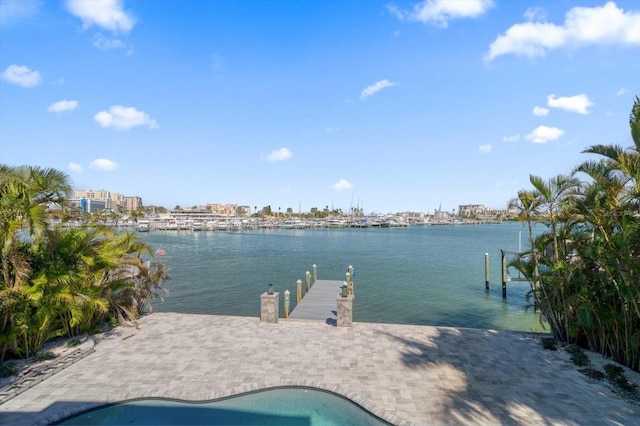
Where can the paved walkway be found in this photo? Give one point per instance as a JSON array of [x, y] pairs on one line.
[[403, 373]]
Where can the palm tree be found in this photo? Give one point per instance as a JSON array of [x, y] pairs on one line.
[[57, 282], [25, 193]]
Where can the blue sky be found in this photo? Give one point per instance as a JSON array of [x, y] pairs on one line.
[[387, 105]]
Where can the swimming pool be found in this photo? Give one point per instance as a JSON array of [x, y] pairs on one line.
[[277, 406]]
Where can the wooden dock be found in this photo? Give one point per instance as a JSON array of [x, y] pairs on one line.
[[320, 302]]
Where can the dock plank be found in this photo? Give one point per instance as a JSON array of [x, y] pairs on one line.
[[319, 303]]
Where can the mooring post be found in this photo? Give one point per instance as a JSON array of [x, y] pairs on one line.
[[287, 303], [308, 280], [347, 280], [486, 271], [298, 291], [504, 274], [351, 273], [314, 268]]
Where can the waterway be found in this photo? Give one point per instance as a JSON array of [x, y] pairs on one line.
[[426, 275]]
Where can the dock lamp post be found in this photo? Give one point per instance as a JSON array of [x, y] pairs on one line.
[[270, 288], [344, 289]]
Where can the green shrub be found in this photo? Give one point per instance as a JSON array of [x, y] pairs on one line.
[[43, 356], [9, 369], [73, 342], [615, 374], [549, 343], [578, 357]]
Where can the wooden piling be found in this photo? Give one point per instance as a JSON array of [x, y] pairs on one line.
[[314, 268], [287, 303], [308, 280], [298, 291]]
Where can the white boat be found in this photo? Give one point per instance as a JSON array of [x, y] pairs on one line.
[[143, 226]]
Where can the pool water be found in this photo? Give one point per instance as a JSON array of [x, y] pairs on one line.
[[281, 406]]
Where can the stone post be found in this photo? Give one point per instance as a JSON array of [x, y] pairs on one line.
[[345, 310], [269, 307]]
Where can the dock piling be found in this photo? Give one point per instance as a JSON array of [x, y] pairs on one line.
[[504, 274], [308, 280], [314, 268], [486, 271], [298, 291], [287, 303]]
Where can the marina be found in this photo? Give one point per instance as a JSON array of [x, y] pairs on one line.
[[426, 275]]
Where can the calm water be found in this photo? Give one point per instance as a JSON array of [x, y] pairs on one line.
[[428, 275], [292, 406]]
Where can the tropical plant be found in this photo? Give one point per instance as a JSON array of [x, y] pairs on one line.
[[586, 267], [58, 282]]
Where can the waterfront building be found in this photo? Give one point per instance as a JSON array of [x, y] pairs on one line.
[[102, 199]]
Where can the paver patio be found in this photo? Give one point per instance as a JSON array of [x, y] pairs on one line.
[[405, 374]]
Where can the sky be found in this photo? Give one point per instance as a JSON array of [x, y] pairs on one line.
[[387, 106]]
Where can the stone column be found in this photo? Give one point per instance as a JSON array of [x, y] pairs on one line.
[[269, 307], [345, 310]]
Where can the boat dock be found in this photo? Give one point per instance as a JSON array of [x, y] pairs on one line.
[[319, 303]]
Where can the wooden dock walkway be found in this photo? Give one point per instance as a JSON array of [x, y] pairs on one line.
[[320, 303]]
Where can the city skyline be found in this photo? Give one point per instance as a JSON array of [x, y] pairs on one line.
[[390, 106]]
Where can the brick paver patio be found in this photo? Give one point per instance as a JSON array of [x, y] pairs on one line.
[[405, 374]]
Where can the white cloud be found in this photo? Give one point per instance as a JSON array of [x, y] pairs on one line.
[[18, 9], [104, 43], [341, 185], [64, 105], [582, 26], [535, 14], [513, 138], [440, 12], [21, 75], [106, 14], [279, 155], [124, 118], [103, 164], [376, 87], [622, 91], [485, 148], [540, 111], [75, 167], [579, 103], [544, 134]]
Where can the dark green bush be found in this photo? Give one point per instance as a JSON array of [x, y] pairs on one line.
[[43, 356], [615, 374], [73, 342], [9, 369], [549, 343], [578, 357]]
